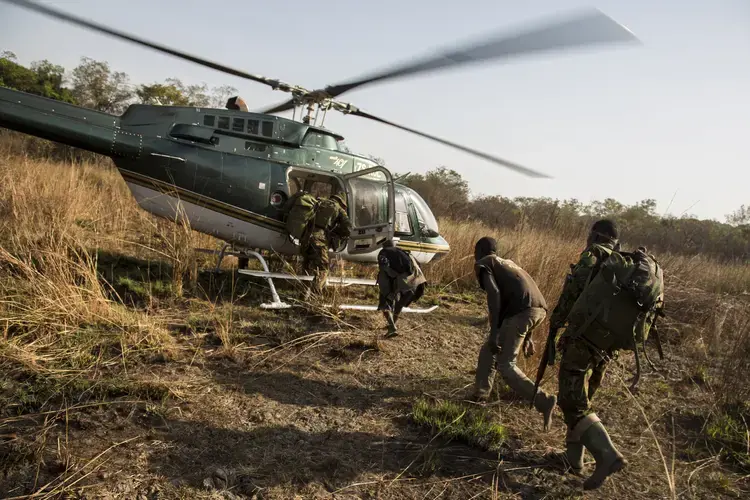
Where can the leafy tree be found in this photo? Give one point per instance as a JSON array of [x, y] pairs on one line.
[[220, 95], [96, 86], [196, 95], [739, 217], [443, 189], [163, 95], [43, 78], [51, 78]]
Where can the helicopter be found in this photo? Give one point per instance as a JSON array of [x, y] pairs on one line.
[[230, 171]]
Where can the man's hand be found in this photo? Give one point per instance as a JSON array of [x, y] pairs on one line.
[[492, 342], [528, 347], [561, 342]]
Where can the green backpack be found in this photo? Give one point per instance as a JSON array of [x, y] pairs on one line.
[[325, 212], [621, 302], [300, 212]]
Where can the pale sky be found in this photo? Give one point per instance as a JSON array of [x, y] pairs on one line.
[[668, 118]]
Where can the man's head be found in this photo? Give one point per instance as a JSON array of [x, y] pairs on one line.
[[484, 247], [388, 244], [236, 103], [340, 198], [603, 231]]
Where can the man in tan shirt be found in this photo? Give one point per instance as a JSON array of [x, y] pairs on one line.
[[516, 307]]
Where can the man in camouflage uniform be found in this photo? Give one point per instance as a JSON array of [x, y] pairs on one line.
[[330, 228], [582, 367], [516, 307]]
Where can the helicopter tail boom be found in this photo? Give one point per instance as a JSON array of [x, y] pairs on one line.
[[65, 123]]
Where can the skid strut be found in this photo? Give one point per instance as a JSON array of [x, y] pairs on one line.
[[277, 303]]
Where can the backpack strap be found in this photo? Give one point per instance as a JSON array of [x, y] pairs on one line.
[[599, 261]]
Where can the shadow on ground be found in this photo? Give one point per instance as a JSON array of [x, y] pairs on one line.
[[285, 456]]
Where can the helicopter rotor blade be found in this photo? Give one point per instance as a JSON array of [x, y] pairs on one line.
[[351, 110], [587, 28], [279, 107], [275, 84]]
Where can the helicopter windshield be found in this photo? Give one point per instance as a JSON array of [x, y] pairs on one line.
[[370, 200], [424, 214]]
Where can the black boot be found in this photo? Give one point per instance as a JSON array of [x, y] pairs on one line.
[[392, 332]]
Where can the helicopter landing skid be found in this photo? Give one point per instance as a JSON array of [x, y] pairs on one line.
[[276, 303], [331, 281]]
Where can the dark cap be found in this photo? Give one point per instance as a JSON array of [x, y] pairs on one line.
[[486, 245], [606, 227]]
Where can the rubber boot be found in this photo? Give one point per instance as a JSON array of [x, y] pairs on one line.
[[392, 332], [571, 459], [608, 460], [573, 456]]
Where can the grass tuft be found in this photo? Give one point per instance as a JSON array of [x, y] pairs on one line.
[[452, 421]]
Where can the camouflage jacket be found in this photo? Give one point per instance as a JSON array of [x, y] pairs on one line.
[[580, 274], [333, 222]]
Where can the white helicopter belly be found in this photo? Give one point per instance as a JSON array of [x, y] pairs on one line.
[[238, 231], [217, 224]]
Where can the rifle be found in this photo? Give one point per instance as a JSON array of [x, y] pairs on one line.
[[548, 358], [655, 330]]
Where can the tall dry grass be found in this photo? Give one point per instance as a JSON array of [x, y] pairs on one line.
[[55, 311], [54, 215]]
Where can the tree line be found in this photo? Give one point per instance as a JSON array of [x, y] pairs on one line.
[[448, 195], [94, 84]]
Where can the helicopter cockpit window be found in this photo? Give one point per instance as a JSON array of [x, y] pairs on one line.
[[267, 129], [370, 200], [428, 223], [318, 140], [402, 216]]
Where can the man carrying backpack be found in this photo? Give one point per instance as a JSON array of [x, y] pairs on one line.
[[401, 282], [614, 310], [516, 308], [318, 224], [601, 241]]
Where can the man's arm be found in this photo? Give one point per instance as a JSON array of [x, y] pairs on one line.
[[344, 226], [341, 228], [494, 302], [575, 282], [385, 265]]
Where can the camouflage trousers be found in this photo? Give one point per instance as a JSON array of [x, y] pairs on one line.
[[511, 335], [315, 259], [581, 373]]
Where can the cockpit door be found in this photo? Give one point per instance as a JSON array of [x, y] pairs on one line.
[[370, 196]]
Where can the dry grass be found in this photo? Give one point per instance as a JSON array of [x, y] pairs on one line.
[[309, 397]]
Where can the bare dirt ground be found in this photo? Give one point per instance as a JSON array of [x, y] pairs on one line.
[[294, 404]]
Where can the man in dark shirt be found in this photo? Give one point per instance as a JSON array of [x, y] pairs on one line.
[[516, 307], [400, 281]]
